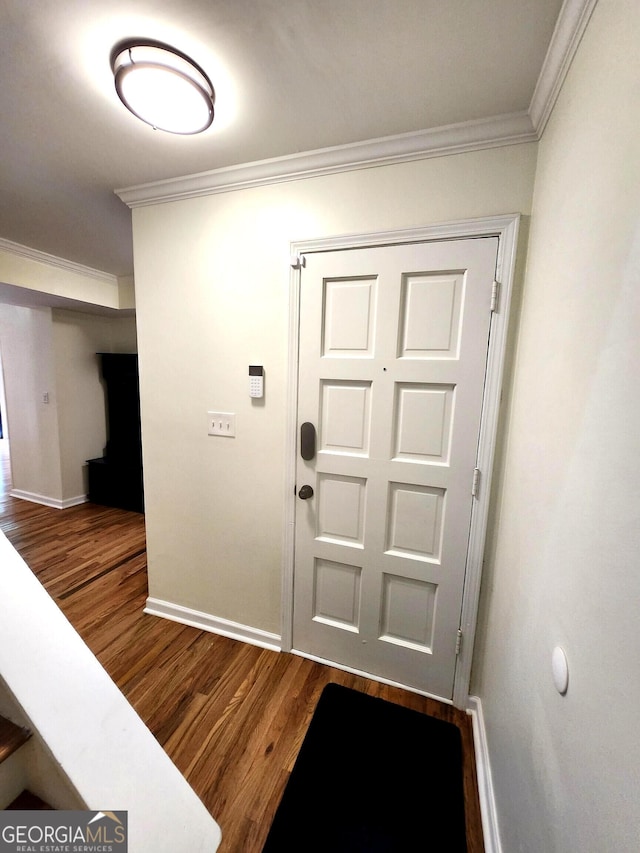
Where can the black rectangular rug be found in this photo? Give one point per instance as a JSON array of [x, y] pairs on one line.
[[372, 777]]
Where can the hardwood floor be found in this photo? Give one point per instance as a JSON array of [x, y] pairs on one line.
[[230, 715]]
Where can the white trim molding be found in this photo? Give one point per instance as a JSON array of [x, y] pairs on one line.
[[488, 810], [53, 261], [54, 503], [37, 279], [402, 148], [493, 132], [570, 26], [213, 624], [505, 228]]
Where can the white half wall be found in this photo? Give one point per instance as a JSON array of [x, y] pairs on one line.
[[89, 733], [563, 567], [212, 294]]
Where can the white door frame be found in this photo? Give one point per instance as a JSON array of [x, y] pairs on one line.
[[506, 229]]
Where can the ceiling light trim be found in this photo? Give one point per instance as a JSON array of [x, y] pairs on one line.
[[460, 138], [135, 59]]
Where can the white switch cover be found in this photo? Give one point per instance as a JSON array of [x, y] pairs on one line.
[[222, 423]]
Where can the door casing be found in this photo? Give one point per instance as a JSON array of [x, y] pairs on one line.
[[506, 229]]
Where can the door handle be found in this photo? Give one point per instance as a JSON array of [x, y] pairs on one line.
[[305, 493], [307, 441]]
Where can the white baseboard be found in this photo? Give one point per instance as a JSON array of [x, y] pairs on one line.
[[214, 624], [69, 502], [55, 503], [485, 783]]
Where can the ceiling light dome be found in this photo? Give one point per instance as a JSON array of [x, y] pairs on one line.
[[163, 87]]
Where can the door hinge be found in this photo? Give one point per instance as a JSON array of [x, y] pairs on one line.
[[475, 485], [458, 641], [494, 296], [297, 261]]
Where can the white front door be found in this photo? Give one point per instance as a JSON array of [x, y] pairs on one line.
[[392, 359]]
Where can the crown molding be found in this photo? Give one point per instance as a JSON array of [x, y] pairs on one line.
[[20, 251], [494, 132], [450, 139], [570, 26]]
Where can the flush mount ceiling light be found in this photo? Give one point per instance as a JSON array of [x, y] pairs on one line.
[[163, 87]]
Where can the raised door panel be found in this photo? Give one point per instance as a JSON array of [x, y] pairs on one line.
[[392, 363]]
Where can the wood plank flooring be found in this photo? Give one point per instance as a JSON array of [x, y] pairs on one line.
[[11, 738], [231, 716]]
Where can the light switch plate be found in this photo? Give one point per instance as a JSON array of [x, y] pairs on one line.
[[221, 423]]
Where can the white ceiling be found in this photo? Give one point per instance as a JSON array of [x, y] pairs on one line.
[[290, 76]]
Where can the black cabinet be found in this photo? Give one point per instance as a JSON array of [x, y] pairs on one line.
[[116, 478]]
